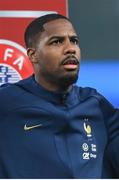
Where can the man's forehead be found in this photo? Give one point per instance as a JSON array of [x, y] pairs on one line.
[[59, 27]]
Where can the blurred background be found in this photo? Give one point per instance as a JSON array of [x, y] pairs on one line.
[[97, 24]]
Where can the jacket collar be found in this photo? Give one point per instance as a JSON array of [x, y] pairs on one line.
[[67, 99]]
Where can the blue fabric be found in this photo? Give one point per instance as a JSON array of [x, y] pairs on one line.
[[70, 140]]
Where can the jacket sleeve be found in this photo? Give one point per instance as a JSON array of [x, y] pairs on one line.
[[111, 155], [111, 160]]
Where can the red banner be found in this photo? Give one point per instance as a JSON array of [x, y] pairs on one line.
[[14, 17]]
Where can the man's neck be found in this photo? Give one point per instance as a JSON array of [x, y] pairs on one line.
[[53, 87]]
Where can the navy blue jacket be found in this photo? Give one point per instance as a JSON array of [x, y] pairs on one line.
[[111, 155], [47, 134]]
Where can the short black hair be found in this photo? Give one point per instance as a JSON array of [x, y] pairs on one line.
[[36, 26]]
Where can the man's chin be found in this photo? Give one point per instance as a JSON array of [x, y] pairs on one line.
[[68, 80]]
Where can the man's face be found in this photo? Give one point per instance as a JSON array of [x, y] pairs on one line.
[[57, 54]]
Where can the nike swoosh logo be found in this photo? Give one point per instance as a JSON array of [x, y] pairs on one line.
[[26, 128]]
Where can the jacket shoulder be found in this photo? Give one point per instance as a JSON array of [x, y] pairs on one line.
[[9, 93], [85, 92]]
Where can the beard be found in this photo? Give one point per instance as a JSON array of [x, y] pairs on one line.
[[61, 80], [67, 80]]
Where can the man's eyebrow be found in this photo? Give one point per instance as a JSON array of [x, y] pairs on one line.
[[74, 36], [56, 37], [62, 37]]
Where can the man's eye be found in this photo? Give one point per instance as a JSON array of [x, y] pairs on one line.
[[75, 41], [58, 41]]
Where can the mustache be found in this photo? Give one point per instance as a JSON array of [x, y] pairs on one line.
[[70, 59]]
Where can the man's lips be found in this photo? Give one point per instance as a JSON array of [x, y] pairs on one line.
[[70, 62], [70, 66]]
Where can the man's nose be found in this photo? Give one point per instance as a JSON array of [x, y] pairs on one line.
[[70, 48]]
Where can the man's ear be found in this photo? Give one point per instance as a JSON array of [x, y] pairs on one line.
[[31, 52]]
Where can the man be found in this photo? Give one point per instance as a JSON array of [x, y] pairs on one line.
[[50, 128]]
